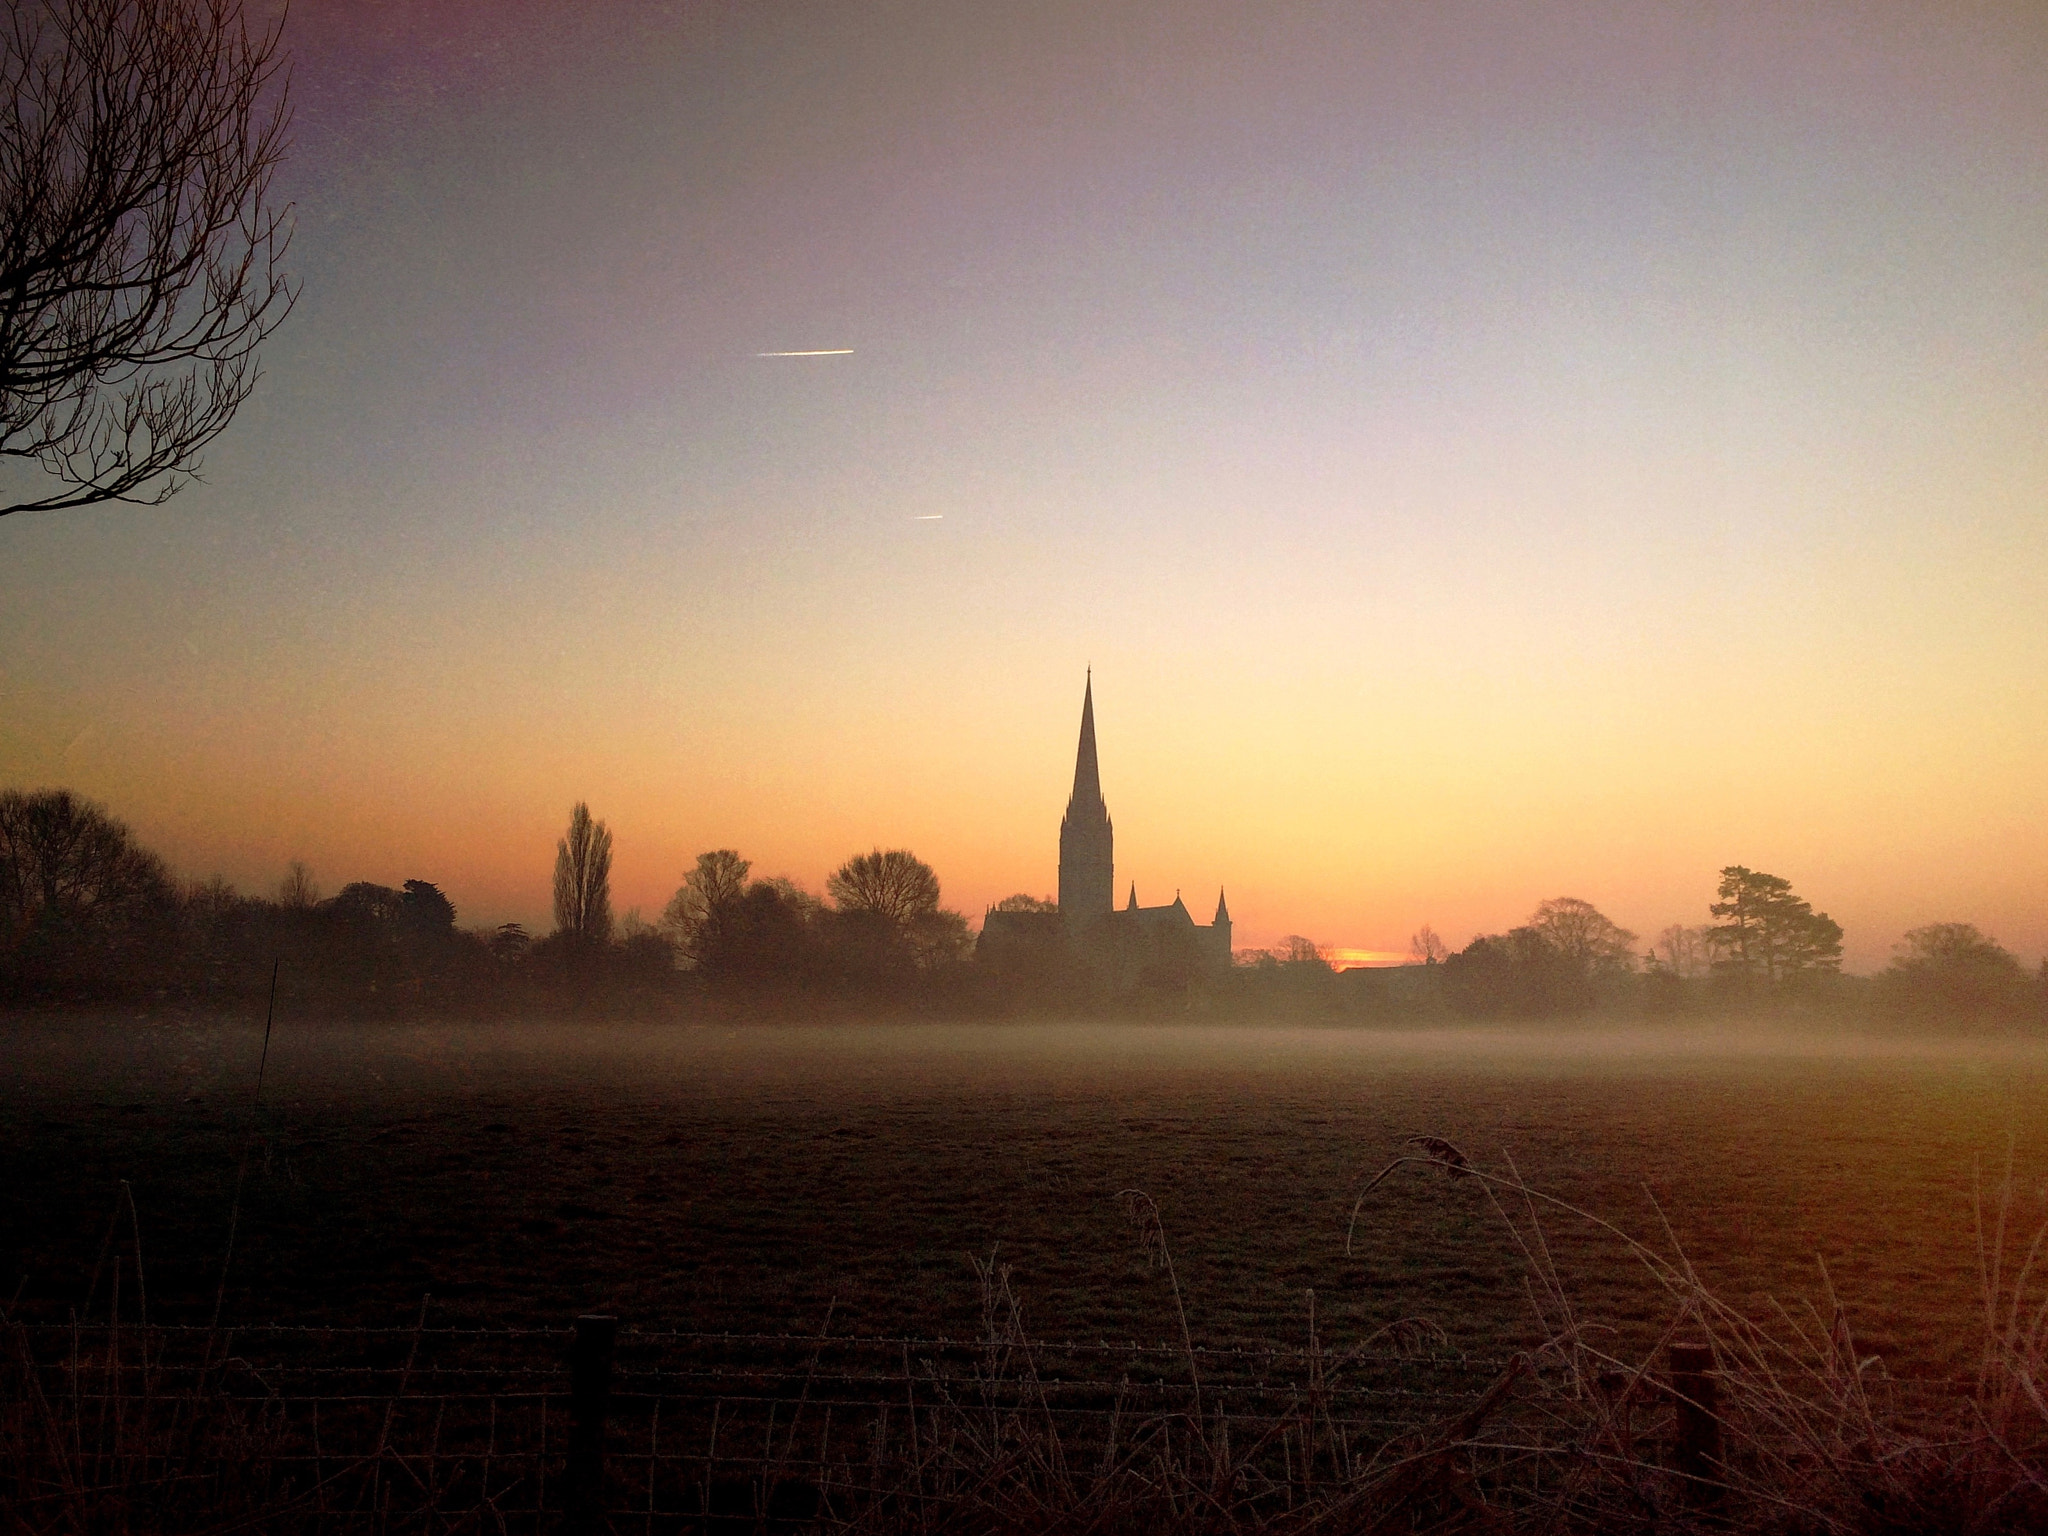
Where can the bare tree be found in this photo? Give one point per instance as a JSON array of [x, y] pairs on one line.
[[1584, 935], [1425, 948], [1304, 952], [139, 248], [1685, 951], [583, 878], [1023, 902], [696, 916], [297, 890], [896, 885], [65, 861]]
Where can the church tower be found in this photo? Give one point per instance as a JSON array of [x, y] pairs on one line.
[[1087, 888]]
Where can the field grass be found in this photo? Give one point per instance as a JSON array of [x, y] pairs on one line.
[[750, 1178], [1024, 1186]]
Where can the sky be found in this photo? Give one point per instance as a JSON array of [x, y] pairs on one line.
[[1485, 453]]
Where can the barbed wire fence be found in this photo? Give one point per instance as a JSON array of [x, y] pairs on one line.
[[591, 1428], [597, 1427]]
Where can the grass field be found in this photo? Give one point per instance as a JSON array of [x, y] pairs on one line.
[[749, 1178]]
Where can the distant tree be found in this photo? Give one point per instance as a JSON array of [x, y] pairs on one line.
[[1519, 972], [82, 905], [1584, 936], [886, 924], [699, 912], [296, 892], [895, 886], [1953, 971], [644, 956], [1425, 948], [1303, 953], [65, 863], [139, 249], [768, 936], [1685, 952], [583, 879], [939, 937], [1023, 903], [1768, 934], [217, 924], [510, 941], [212, 898], [425, 911], [364, 902]]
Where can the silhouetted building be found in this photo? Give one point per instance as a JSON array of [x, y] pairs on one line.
[[1136, 945]]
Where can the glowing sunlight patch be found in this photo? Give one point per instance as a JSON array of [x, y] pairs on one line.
[[1352, 959]]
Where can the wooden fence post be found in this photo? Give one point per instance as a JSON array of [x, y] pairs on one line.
[[1697, 1448], [590, 1389]]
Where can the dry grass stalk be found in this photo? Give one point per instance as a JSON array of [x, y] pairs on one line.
[[1815, 1438]]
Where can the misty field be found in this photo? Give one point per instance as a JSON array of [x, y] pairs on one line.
[[757, 1178]]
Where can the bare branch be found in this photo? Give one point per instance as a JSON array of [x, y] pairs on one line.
[[139, 249]]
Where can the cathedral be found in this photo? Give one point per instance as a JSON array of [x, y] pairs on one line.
[[1131, 944]]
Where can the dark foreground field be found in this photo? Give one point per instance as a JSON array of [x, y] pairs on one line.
[[790, 1223], [751, 1179]]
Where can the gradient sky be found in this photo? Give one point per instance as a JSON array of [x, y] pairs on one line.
[[1487, 452]]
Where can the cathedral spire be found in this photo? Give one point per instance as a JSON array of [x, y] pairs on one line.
[[1086, 839], [1087, 777]]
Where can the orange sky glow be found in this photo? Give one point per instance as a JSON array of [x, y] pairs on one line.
[[1484, 458]]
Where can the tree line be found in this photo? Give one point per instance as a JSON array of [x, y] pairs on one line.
[[88, 915], [1765, 949]]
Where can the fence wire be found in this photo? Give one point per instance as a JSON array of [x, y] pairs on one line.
[[467, 1428]]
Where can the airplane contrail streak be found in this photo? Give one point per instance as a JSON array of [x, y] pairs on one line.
[[821, 352]]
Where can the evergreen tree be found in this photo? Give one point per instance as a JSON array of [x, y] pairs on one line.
[[1768, 934]]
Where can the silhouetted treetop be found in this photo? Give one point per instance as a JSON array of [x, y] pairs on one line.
[[1305, 952], [64, 860], [1685, 952], [423, 909], [1951, 970], [698, 914], [296, 891], [1520, 972], [367, 902], [1767, 933], [895, 885], [1584, 935], [583, 879], [1426, 948], [1023, 903]]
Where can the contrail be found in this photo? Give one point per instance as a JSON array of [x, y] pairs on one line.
[[929, 517], [821, 352]]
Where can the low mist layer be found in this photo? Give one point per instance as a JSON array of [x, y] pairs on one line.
[[751, 1178]]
